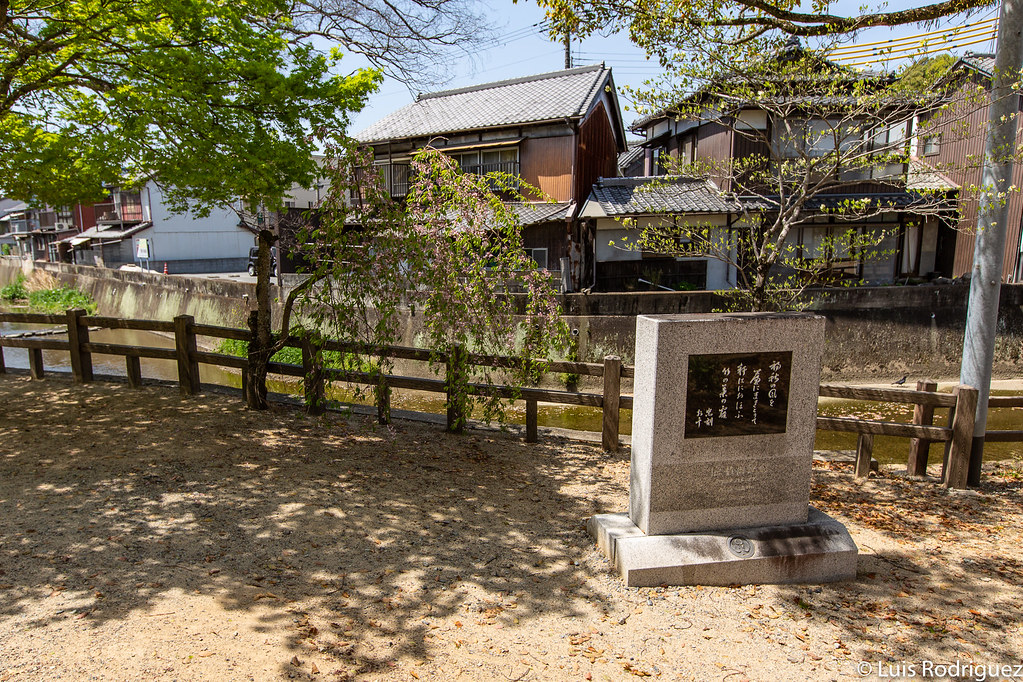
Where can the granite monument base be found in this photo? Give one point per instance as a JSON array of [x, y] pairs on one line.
[[820, 550]]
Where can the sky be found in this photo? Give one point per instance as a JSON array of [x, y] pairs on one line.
[[518, 51]]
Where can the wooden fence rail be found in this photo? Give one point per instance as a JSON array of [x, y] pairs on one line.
[[958, 435], [922, 432], [188, 358]]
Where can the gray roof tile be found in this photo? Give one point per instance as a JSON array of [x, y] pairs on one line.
[[542, 212], [631, 155], [984, 63], [662, 194], [924, 177], [545, 97]]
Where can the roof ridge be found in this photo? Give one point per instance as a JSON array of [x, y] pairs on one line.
[[511, 81], [638, 179], [595, 88]]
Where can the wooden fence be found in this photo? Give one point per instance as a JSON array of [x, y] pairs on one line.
[[188, 358], [957, 435]]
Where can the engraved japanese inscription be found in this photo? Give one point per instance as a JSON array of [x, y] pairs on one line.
[[737, 394]]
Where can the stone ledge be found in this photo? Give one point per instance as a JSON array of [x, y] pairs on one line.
[[820, 550]]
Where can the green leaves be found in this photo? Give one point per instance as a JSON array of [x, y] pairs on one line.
[[208, 97], [445, 262]]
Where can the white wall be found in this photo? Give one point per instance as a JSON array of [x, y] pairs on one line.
[[719, 274], [183, 236], [309, 197]]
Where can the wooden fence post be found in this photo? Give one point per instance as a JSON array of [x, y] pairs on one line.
[[77, 335], [184, 345], [864, 453], [531, 419], [958, 467], [133, 368], [456, 388], [312, 380], [35, 363], [919, 448], [383, 391], [612, 401]]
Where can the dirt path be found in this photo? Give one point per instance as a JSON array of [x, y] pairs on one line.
[[148, 536]]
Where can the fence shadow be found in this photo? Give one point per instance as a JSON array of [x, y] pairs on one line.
[[358, 535]]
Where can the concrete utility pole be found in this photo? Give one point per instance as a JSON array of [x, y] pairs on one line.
[[989, 251], [568, 49]]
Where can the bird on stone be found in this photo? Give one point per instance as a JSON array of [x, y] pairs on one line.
[[901, 381]]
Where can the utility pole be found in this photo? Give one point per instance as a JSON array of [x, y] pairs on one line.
[[568, 49], [989, 250]]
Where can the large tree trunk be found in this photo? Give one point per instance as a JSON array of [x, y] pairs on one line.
[[259, 323]]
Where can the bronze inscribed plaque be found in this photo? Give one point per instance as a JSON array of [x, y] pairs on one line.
[[737, 394]]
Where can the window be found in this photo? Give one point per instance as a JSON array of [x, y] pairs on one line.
[[469, 162], [540, 256], [660, 162], [486, 161], [502, 160], [687, 149], [489, 161], [932, 145], [397, 177], [816, 137]]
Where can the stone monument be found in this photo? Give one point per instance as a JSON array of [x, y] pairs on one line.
[[723, 423]]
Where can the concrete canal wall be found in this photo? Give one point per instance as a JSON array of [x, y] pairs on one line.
[[147, 295], [872, 333]]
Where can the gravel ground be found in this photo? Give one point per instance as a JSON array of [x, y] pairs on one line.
[[144, 535]]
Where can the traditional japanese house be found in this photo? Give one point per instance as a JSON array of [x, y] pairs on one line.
[[557, 131]]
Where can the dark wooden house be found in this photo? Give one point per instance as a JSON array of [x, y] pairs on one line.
[[952, 140], [909, 215], [557, 131]]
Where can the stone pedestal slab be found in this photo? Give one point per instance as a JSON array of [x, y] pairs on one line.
[[818, 550], [723, 423]]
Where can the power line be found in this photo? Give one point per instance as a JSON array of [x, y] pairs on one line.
[[911, 43], [913, 51], [518, 34], [918, 53], [971, 27]]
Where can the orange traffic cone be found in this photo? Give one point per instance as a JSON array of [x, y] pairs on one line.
[[165, 268]]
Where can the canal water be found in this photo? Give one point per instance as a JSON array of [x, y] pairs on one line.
[[886, 449]]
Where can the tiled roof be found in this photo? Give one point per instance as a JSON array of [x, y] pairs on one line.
[[11, 206], [662, 194], [634, 153], [109, 232], [545, 97], [984, 63], [535, 213], [923, 177]]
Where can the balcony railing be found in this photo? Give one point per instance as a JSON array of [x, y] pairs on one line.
[[118, 213], [506, 167], [398, 177]]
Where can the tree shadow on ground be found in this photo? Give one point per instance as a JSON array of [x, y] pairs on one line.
[[928, 585], [354, 537]]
